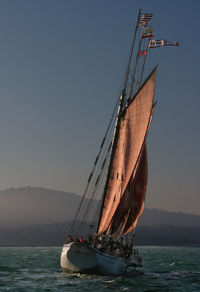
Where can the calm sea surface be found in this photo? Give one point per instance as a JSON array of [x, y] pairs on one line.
[[37, 269]]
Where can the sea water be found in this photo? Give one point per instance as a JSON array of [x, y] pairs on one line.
[[38, 269]]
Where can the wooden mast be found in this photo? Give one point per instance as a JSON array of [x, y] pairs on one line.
[[117, 124]]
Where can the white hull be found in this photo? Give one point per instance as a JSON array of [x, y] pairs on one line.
[[81, 258]]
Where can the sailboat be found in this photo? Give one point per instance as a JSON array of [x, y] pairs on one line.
[[119, 175]]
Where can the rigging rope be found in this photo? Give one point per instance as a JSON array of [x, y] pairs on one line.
[[96, 180], [93, 181], [94, 167]]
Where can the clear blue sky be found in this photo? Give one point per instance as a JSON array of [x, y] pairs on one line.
[[62, 67]]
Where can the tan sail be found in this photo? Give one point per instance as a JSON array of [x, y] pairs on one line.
[[138, 186], [131, 205], [133, 129]]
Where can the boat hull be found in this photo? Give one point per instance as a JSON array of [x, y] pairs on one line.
[[82, 258]]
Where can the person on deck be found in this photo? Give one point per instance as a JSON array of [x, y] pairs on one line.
[[69, 239]]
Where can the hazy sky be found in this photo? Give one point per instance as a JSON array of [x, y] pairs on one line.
[[62, 67]]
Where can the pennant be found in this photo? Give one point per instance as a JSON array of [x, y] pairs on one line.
[[144, 19], [160, 43], [142, 53], [147, 32]]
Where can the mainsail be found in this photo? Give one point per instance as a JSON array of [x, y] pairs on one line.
[[126, 185]]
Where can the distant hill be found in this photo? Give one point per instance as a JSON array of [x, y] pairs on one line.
[[31, 205], [20, 207]]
